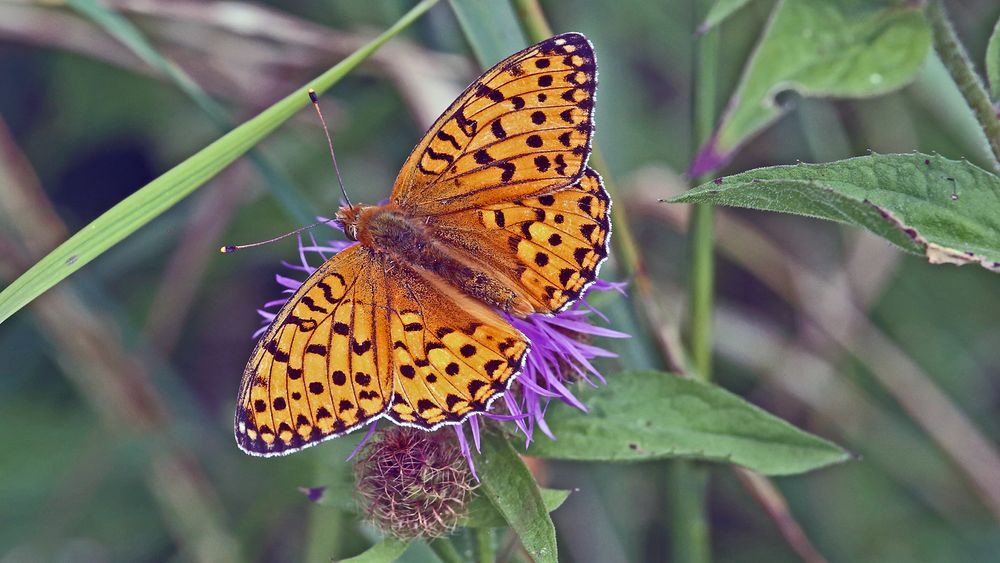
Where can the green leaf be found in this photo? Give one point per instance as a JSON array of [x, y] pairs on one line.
[[162, 193], [719, 11], [838, 48], [483, 514], [507, 483], [385, 551], [947, 210], [645, 415], [993, 62], [491, 27]]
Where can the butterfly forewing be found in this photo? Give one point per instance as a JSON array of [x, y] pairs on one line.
[[521, 129], [551, 245], [453, 355], [324, 366]]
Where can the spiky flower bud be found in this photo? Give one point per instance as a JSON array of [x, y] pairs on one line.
[[412, 483]]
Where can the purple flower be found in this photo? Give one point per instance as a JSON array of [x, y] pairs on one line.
[[560, 356]]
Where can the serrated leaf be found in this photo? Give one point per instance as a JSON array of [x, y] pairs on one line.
[[826, 48], [177, 183], [483, 514], [646, 415], [945, 209], [507, 483], [993, 62], [385, 551], [719, 11]]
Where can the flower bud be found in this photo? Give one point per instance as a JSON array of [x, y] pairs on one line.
[[412, 483]]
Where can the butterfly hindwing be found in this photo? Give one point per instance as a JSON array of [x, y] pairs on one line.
[[523, 128], [551, 246], [323, 368], [453, 355]]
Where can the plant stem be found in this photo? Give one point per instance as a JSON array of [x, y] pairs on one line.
[[956, 60], [485, 545], [702, 285], [446, 551], [533, 19], [688, 481], [702, 281], [689, 517]]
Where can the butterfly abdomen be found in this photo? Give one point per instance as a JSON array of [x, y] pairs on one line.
[[410, 243]]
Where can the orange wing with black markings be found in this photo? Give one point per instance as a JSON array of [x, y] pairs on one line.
[[453, 355], [522, 129], [552, 246], [324, 366]]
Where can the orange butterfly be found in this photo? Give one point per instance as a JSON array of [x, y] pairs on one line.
[[495, 210]]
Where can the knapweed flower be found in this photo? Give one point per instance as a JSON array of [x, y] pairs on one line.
[[561, 353], [412, 483]]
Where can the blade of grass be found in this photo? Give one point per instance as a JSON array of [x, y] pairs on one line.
[[162, 193]]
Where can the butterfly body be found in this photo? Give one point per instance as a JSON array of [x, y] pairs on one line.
[[409, 244], [494, 212]]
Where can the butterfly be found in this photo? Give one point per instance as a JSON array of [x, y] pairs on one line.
[[494, 213]]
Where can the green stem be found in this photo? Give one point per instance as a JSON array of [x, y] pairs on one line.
[[533, 19], [702, 283], [485, 545], [956, 60], [689, 482], [689, 517], [702, 280], [446, 551]]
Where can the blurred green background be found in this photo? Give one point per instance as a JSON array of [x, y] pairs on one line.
[[117, 388]]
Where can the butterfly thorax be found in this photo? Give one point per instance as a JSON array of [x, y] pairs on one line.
[[410, 243]]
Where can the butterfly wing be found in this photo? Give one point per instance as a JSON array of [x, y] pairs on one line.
[[551, 246], [453, 355], [323, 368], [522, 129]]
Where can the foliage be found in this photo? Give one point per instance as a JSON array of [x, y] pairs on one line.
[[650, 415], [925, 204]]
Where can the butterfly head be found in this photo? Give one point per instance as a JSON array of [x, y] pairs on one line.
[[348, 218]]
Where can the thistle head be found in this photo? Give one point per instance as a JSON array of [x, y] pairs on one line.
[[412, 483]]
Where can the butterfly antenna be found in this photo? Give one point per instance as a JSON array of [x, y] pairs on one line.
[[329, 142], [234, 247]]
